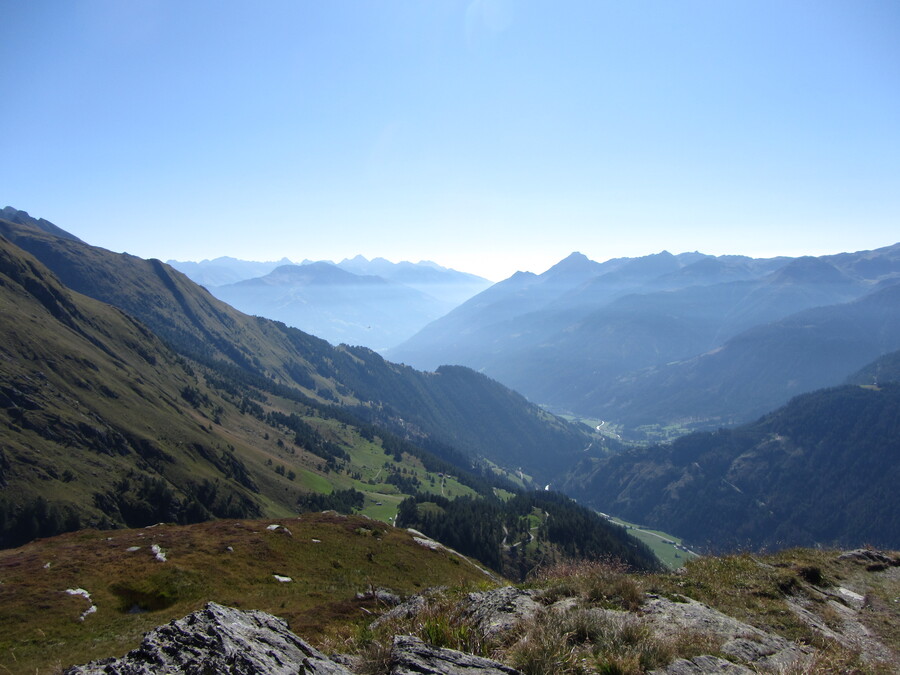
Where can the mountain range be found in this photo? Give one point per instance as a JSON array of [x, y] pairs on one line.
[[374, 303], [666, 339], [139, 397], [131, 395]]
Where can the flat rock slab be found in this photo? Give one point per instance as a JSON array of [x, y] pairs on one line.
[[412, 656], [219, 639]]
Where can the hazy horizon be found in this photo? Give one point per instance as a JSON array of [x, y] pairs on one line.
[[488, 136]]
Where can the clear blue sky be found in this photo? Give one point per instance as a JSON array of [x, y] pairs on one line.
[[490, 135]]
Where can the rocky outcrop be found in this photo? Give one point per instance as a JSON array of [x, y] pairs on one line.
[[405, 610], [499, 610], [740, 641], [870, 557], [218, 639], [411, 656]]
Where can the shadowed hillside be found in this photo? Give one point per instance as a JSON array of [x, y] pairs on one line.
[[821, 470]]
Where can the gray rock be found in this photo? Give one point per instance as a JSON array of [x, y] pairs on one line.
[[383, 595], [740, 640], [850, 631], [499, 610], [703, 665], [218, 639], [869, 557], [411, 656], [405, 610]]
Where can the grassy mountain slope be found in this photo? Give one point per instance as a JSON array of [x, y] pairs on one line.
[[103, 424], [821, 470], [328, 558], [201, 327], [835, 610]]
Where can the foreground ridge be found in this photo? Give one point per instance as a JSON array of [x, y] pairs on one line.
[[783, 614]]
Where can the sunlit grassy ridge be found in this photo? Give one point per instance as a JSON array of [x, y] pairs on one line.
[[329, 559], [592, 619]]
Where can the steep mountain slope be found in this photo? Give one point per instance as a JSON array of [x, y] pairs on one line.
[[581, 366], [336, 305], [98, 418], [762, 367], [517, 321], [883, 369], [419, 406], [474, 331], [578, 347], [22, 218], [821, 470]]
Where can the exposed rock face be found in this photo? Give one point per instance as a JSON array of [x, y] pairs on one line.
[[411, 656], [382, 595], [740, 641], [405, 610], [219, 639], [497, 611]]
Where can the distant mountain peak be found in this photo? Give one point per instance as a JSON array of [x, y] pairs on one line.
[[575, 264], [576, 255]]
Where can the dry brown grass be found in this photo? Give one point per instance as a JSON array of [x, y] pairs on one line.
[[604, 584]]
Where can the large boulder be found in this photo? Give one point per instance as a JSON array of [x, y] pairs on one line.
[[218, 639]]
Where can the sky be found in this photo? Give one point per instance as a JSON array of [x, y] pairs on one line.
[[487, 135]]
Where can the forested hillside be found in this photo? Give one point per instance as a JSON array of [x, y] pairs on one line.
[[821, 470], [528, 531]]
